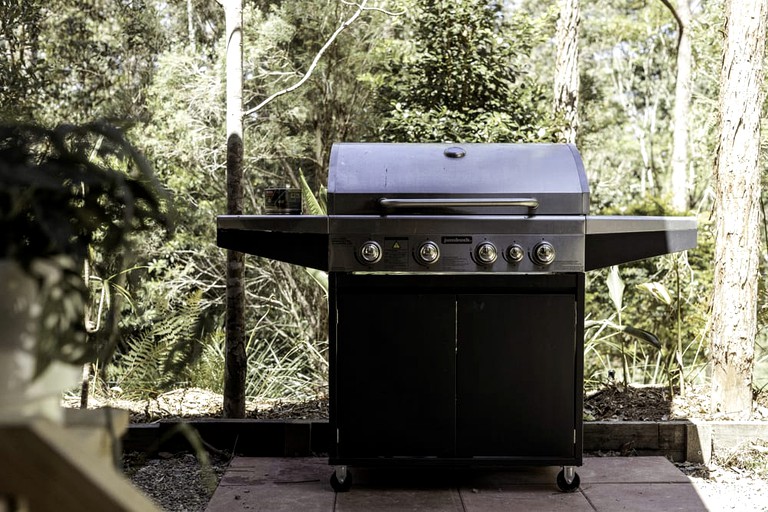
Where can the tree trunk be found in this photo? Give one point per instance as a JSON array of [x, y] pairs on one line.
[[566, 80], [236, 364], [737, 208], [680, 183], [191, 25]]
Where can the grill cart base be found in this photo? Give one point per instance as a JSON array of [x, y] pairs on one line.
[[461, 371]]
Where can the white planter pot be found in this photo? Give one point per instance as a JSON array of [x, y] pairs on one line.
[[22, 396]]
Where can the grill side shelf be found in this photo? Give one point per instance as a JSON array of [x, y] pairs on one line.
[[612, 240], [297, 239]]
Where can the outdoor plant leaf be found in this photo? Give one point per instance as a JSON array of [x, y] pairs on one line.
[[615, 287], [320, 277], [658, 291], [314, 208], [65, 194], [313, 205], [640, 334]]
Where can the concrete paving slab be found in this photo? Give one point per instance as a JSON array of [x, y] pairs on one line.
[[629, 470], [519, 489], [523, 498], [644, 497], [402, 489], [255, 470], [400, 500], [273, 498], [274, 485]]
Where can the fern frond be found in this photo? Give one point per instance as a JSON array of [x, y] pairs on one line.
[[313, 205], [159, 357]]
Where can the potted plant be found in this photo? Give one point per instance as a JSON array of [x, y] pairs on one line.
[[70, 197]]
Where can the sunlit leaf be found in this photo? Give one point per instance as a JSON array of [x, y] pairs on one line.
[[320, 277], [615, 287], [313, 205], [658, 291]]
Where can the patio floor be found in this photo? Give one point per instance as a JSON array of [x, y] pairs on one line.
[[642, 484]]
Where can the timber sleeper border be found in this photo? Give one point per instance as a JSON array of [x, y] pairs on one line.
[[679, 441]]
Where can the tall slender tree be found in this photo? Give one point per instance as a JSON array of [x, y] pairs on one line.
[[236, 357], [737, 208], [567, 68], [236, 361], [680, 184]]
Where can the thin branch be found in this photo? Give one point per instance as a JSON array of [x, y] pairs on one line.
[[378, 9], [360, 8], [681, 27]]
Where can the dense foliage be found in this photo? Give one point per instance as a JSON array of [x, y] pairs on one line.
[[433, 70], [75, 62], [65, 194], [463, 74]]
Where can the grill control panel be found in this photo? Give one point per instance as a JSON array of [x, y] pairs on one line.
[[506, 253]]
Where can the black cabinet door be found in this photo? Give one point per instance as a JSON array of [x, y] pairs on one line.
[[395, 374], [516, 372]]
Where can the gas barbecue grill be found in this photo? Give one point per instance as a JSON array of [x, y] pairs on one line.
[[456, 299]]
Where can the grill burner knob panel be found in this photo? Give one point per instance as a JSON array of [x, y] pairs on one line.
[[396, 251], [370, 252], [543, 253], [515, 253], [486, 253], [428, 253]]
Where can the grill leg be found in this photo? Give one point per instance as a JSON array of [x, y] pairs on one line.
[[341, 479], [567, 479]]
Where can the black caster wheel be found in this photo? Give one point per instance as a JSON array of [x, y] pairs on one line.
[[341, 486], [564, 486]]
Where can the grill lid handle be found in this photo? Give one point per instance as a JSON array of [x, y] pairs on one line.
[[528, 202]]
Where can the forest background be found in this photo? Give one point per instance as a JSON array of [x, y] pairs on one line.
[[410, 71]]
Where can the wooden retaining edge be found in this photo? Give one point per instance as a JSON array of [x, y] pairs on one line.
[[257, 438], [47, 467], [679, 441]]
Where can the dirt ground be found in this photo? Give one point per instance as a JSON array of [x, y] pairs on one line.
[[654, 403], [610, 403]]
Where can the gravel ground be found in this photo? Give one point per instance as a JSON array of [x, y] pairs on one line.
[[175, 482], [728, 488]]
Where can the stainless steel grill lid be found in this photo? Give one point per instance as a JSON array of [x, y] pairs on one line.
[[488, 179]]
